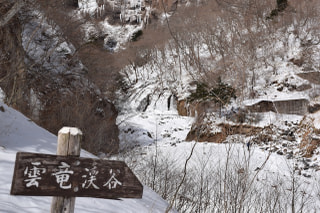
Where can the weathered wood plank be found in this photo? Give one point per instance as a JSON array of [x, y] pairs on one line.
[[69, 143], [72, 176]]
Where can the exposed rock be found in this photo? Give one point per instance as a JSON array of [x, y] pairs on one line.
[[144, 104], [290, 155], [172, 102], [288, 138], [217, 137], [240, 129], [306, 175], [309, 146], [262, 138], [195, 108], [149, 134], [46, 64], [279, 152], [280, 88], [110, 44], [166, 135], [182, 108], [313, 108], [202, 134]]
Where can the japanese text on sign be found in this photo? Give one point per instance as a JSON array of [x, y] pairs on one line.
[[63, 174]]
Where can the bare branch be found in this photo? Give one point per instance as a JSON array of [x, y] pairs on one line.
[[182, 180], [12, 12]]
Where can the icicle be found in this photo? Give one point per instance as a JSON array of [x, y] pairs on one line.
[[139, 18]]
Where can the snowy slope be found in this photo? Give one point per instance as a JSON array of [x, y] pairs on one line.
[[18, 133], [145, 118]]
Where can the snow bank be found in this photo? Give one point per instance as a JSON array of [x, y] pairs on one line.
[[18, 133]]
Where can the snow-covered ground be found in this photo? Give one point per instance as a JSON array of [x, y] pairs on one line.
[[18, 133], [147, 118], [160, 135], [149, 122]]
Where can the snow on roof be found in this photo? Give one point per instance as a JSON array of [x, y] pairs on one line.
[[283, 97]]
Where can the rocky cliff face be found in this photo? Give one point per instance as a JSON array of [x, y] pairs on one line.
[[12, 67], [43, 77]]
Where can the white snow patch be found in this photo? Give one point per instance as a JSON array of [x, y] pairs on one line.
[[88, 6], [316, 122], [71, 130], [18, 133], [2, 95]]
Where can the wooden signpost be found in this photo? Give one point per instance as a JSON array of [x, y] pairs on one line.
[[52, 175], [68, 176]]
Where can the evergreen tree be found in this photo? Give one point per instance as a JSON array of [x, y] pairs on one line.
[[222, 93], [281, 5]]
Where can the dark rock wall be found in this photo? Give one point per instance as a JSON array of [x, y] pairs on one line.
[[64, 98]]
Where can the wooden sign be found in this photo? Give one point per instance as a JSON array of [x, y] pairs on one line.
[[71, 176]]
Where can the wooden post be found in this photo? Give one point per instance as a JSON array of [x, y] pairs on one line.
[[69, 140]]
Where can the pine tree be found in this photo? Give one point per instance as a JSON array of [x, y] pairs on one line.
[[281, 5], [222, 93]]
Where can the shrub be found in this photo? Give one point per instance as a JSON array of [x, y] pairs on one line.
[[222, 93], [136, 35], [281, 6], [201, 92]]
